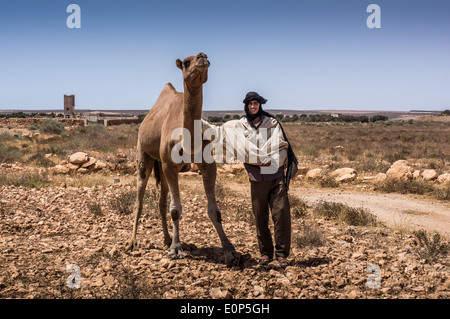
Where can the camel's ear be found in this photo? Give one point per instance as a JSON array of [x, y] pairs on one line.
[[179, 64]]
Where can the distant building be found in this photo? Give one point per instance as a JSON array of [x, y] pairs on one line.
[[69, 106]]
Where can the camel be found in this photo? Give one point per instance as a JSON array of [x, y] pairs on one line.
[[174, 110]]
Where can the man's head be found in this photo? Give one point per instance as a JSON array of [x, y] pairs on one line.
[[253, 105]]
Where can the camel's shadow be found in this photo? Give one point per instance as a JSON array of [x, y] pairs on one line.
[[215, 255]]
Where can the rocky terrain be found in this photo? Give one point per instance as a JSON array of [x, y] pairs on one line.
[[66, 201], [45, 231]]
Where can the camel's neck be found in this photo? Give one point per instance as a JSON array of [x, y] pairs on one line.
[[192, 106]]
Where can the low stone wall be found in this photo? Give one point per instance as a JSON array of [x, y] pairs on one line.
[[18, 122], [120, 121]]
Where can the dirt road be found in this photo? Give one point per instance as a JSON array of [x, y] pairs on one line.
[[409, 212], [396, 210]]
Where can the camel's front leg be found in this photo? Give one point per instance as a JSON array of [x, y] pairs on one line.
[[171, 175], [208, 171]]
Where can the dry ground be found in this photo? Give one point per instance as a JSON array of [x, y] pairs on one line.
[[51, 222]]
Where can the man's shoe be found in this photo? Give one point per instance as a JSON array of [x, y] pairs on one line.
[[283, 262]]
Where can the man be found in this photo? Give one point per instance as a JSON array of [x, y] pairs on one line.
[[259, 141]]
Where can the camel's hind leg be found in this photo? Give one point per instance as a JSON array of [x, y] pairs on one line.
[[171, 176], [144, 166], [163, 207], [232, 257]]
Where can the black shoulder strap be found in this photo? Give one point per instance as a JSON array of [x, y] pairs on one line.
[[292, 166]]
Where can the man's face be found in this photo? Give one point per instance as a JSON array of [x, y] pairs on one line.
[[253, 107]]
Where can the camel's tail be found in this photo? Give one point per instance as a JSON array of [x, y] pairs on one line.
[[157, 170]]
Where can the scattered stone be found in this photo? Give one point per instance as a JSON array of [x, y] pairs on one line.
[[217, 293], [61, 169], [315, 173], [443, 178], [429, 174], [400, 170], [343, 175], [78, 158]]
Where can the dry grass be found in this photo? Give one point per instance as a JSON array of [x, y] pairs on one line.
[[371, 147], [420, 187], [344, 213], [31, 180]]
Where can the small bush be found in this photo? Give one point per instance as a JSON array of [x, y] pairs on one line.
[[9, 154], [310, 237], [344, 213], [52, 127], [442, 192], [40, 160], [95, 209], [328, 181], [430, 248], [123, 204], [6, 137], [34, 127], [299, 208]]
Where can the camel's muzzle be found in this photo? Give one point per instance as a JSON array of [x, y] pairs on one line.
[[202, 61]]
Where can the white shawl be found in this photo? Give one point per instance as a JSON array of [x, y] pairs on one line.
[[238, 140]]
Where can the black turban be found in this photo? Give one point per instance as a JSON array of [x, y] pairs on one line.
[[253, 96]]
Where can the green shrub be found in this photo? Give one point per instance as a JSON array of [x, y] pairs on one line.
[[9, 154], [52, 127], [430, 248]]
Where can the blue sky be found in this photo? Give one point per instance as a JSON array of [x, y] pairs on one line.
[[303, 54]]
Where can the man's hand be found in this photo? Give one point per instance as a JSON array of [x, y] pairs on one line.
[[266, 162]]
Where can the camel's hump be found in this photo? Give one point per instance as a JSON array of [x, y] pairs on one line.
[[169, 87]]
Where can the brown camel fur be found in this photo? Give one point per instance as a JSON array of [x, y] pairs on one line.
[[174, 110]]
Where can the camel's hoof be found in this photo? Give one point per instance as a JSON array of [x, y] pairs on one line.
[[131, 245], [175, 252], [233, 259]]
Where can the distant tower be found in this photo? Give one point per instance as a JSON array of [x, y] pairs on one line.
[[69, 106]]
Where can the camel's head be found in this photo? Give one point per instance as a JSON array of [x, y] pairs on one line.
[[195, 69]]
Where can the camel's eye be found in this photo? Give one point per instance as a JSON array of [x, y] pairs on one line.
[[186, 63]]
